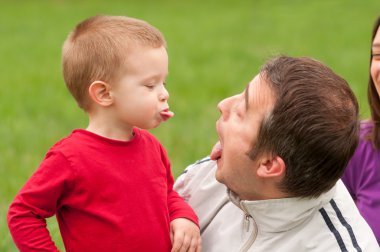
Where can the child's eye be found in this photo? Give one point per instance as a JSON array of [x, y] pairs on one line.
[[149, 86]]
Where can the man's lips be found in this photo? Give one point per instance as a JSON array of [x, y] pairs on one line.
[[166, 114], [216, 152]]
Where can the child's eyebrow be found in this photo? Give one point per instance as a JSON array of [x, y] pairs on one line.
[[154, 77], [150, 78]]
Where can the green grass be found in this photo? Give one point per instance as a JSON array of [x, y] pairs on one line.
[[215, 48]]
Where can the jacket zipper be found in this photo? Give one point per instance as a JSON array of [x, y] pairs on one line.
[[246, 226]]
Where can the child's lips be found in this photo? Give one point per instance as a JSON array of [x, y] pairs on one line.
[[166, 114]]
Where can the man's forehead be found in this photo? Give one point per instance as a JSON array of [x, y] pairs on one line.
[[258, 93]]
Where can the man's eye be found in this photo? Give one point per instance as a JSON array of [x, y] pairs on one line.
[[239, 111]]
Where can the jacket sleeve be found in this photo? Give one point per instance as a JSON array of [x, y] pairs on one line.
[[36, 201], [193, 176], [178, 208], [199, 188]]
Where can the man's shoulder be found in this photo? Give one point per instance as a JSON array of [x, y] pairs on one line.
[[203, 165], [342, 222], [333, 225], [199, 188], [196, 173], [198, 181]]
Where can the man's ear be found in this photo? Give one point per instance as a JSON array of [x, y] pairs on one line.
[[99, 92], [271, 167]]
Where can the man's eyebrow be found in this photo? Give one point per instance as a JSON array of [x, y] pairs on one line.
[[246, 96], [375, 45]]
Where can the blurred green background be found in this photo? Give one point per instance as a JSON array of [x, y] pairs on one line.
[[215, 48]]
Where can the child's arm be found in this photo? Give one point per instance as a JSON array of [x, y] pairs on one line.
[[184, 225], [37, 200], [185, 236], [178, 208]]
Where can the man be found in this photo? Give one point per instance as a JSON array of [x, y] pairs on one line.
[[284, 144]]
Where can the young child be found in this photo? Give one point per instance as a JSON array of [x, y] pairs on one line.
[[110, 185]]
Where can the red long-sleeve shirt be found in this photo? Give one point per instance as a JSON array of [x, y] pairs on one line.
[[108, 195]]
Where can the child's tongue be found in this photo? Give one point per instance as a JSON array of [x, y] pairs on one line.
[[166, 114], [216, 151]]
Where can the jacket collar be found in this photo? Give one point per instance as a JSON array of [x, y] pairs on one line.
[[278, 215]]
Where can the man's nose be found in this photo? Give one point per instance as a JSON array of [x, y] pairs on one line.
[[225, 106]]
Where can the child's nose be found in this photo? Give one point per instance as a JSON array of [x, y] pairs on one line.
[[164, 94]]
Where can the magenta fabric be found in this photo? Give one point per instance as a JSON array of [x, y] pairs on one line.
[[362, 179]]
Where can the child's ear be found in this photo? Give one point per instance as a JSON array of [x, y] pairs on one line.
[[99, 92], [271, 167]]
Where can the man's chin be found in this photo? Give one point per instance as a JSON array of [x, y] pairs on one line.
[[218, 173], [218, 178]]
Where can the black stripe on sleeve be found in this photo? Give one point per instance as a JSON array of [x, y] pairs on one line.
[[346, 225], [206, 159], [333, 230], [185, 171], [203, 160]]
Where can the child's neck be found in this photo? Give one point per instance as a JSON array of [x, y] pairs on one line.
[[124, 133]]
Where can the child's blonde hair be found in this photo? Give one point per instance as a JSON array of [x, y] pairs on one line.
[[97, 50]]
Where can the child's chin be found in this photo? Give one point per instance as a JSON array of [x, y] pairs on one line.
[[155, 125], [151, 125]]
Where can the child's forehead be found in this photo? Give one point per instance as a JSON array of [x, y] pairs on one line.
[[144, 60], [135, 51], [131, 46]]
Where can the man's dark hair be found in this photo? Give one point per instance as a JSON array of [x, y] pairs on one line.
[[313, 127]]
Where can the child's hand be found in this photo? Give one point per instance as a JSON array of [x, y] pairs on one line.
[[185, 236]]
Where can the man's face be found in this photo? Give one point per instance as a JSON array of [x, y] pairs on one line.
[[237, 128]]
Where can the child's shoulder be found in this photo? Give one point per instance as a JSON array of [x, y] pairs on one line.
[[147, 137], [65, 143], [144, 134]]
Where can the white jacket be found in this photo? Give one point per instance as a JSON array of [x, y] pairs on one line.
[[330, 222]]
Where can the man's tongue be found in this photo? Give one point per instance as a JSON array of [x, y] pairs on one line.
[[216, 151]]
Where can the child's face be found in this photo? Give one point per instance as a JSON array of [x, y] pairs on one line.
[[140, 96]]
